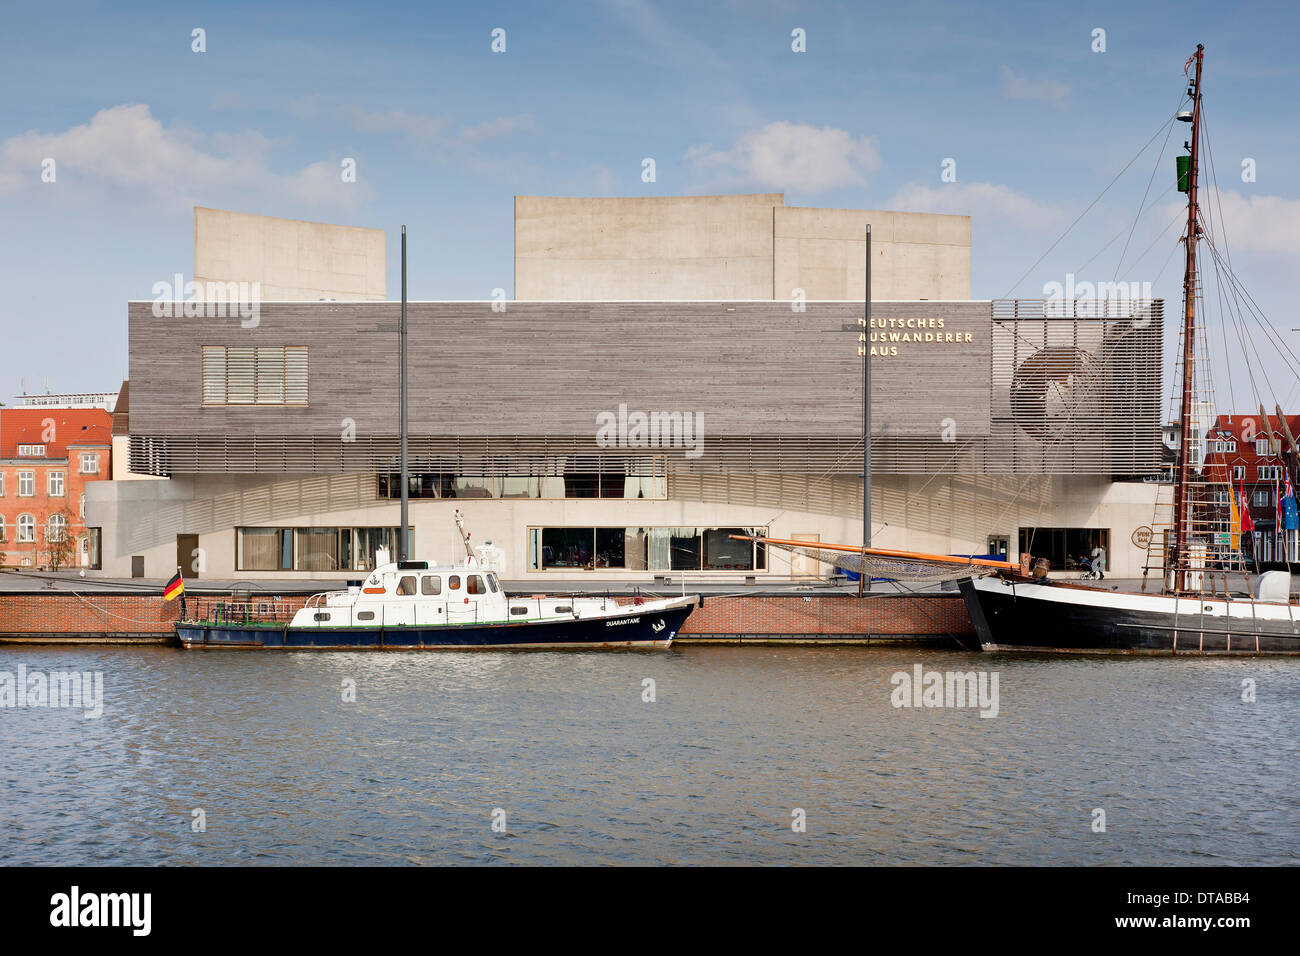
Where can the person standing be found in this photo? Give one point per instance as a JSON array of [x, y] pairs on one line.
[[1099, 562]]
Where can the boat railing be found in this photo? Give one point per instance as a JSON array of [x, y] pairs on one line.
[[229, 611]]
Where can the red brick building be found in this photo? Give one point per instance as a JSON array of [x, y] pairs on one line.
[[1241, 449], [46, 457]]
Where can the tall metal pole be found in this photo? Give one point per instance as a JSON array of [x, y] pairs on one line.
[[864, 580], [1182, 533], [403, 535]]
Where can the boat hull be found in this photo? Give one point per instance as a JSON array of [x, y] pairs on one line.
[[655, 628], [1030, 616]]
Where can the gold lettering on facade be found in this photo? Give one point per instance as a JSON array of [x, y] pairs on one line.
[[906, 330]]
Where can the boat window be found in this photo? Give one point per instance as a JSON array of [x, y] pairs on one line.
[[322, 615], [476, 585], [406, 585], [431, 584], [492, 583], [365, 615], [453, 582], [519, 610], [563, 609]]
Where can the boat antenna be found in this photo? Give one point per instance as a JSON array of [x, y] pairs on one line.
[[459, 518], [1182, 531]]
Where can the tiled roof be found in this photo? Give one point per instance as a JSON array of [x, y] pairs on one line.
[[72, 427]]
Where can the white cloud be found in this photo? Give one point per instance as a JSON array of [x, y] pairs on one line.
[[126, 147], [1266, 225], [1016, 86], [789, 156], [498, 128], [418, 127], [983, 202]]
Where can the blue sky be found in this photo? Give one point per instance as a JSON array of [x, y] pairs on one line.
[[445, 133]]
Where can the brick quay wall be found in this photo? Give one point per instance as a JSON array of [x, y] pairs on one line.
[[67, 617]]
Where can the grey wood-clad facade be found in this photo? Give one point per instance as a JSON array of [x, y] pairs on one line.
[[551, 368], [506, 391]]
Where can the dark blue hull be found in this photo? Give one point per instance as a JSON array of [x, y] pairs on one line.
[[1013, 618], [648, 629]]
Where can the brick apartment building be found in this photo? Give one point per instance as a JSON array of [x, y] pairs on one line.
[[47, 455], [1240, 449]]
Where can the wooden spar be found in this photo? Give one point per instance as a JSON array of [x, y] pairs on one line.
[[883, 553], [1286, 430]]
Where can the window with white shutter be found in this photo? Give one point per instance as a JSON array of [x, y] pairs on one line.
[[266, 375], [295, 375]]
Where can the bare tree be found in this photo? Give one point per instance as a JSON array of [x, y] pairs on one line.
[[57, 545]]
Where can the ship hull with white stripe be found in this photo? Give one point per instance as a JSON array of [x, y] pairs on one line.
[[1022, 614]]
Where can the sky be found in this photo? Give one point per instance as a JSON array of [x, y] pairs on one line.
[[444, 132]]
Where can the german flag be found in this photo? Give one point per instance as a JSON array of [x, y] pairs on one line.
[[175, 587]]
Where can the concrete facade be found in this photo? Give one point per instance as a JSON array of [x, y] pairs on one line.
[[945, 515], [731, 247], [293, 260]]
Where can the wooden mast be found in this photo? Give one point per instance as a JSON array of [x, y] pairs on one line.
[[1182, 529]]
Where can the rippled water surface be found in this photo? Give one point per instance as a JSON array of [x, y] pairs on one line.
[[586, 772]]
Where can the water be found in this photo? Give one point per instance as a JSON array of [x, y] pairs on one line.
[[586, 772]]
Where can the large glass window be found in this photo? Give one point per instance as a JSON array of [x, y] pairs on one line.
[[318, 549], [313, 549], [645, 549], [263, 549], [653, 483], [1063, 547]]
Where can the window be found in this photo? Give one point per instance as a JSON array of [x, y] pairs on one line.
[[56, 528], [406, 586], [2, 529], [312, 549], [1220, 496], [642, 549], [31, 451], [264, 549], [89, 463], [26, 484], [82, 509], [1266, 447], [1225, 447], [265, 375], [492, 583], [650, 482], [475, 585], [365, 615], [26, 529], [1270, 472], [453, 582], [430, 584], [1063, 547], [2, 484], [54, 484], [1238, 472], [1260, 498]]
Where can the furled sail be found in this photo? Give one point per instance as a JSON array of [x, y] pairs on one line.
[[911, 566]]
